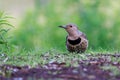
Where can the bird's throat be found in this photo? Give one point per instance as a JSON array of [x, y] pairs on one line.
[[74, 42]]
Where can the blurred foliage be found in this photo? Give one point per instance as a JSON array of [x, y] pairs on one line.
[[4, 28], [97, 18]]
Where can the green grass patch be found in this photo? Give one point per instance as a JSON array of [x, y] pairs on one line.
[[39, 56]]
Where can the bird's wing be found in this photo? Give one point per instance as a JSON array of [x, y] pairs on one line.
[[82, 35]]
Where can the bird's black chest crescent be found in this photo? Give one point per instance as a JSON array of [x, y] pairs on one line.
[[74, 42]]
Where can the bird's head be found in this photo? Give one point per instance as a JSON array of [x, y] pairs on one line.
[[72, 29]]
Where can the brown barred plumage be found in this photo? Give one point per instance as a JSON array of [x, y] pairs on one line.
[[76, 41]]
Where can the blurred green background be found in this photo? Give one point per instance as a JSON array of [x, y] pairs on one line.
[[36, 22]]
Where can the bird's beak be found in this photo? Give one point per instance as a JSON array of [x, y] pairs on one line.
[[63, 26]]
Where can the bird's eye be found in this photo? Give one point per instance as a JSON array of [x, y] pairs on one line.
[[70, 25]]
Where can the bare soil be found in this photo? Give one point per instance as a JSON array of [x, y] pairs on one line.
[[99, 67]]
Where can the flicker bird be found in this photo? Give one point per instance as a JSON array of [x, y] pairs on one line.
[[76, 41]]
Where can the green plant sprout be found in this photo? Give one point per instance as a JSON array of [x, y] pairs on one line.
[[4, 24]]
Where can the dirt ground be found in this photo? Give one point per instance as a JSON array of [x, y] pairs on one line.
[[99, 67]]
